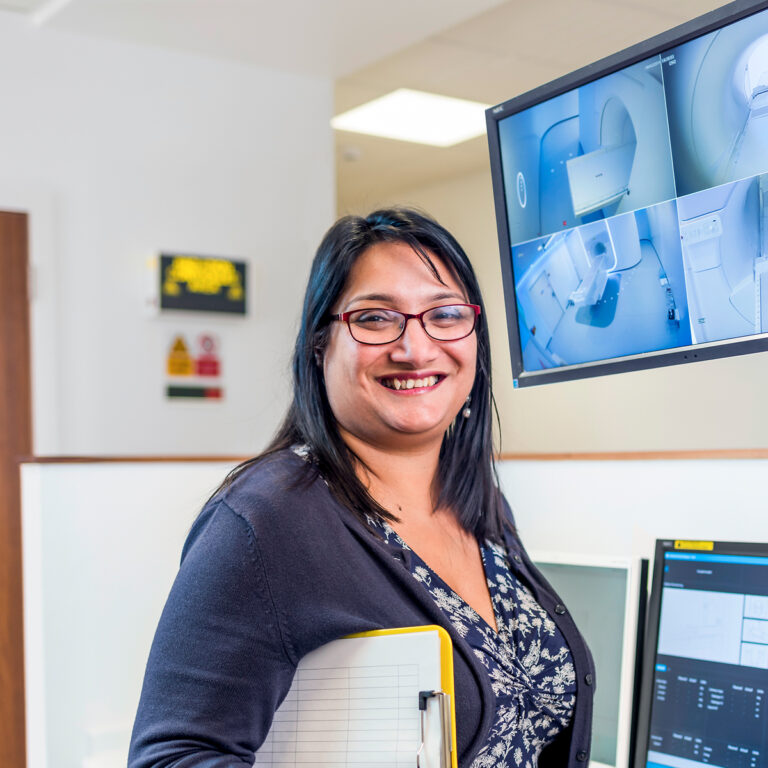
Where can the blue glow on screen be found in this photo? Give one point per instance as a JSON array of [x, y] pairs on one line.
[[640, 227], [705, 558]]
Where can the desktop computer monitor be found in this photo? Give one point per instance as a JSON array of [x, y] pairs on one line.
[[705, 668]]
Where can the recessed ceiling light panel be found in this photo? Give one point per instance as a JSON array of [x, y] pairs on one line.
[[424, 118]]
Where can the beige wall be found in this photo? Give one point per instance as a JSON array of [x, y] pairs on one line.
[[707, 405]]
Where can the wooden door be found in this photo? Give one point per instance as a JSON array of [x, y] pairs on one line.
[[15, 442]]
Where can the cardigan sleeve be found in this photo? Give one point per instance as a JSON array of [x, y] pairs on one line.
[[218, 668]]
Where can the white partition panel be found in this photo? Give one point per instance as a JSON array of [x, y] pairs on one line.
[[102, 543], [620, 508], [101, 548]]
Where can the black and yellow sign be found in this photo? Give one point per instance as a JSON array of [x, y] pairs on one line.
[[179, 361], [202, 284]]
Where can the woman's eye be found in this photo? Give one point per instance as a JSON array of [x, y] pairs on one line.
[[372, 318], [446, 314]]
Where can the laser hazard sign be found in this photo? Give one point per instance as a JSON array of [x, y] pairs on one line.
[[194, 372]]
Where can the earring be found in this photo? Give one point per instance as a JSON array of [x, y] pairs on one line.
[[467, 412]]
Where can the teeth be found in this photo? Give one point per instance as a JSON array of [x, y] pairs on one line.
[[427, 381]]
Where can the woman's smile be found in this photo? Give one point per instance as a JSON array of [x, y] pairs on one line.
[[412, 384]]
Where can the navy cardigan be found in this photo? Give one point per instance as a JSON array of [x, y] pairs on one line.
[[273, 568]]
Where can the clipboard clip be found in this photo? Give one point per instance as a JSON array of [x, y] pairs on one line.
[[445, 722]]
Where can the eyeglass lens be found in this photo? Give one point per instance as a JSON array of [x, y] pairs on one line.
[[380, 326]]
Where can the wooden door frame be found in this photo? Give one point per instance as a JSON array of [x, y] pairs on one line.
[[15, 443]]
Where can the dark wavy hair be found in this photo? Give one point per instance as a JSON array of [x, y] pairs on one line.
[[466, 480]]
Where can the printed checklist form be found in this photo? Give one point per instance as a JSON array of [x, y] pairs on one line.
[[381, 698]]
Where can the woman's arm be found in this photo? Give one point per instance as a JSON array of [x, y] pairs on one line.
[[218, 667]]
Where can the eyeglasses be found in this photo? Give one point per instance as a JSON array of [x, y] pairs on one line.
[[376, 325]]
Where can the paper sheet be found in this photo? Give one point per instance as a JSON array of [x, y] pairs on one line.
[[354, 703]]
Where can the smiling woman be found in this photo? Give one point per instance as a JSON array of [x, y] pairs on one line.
[[375, 506]]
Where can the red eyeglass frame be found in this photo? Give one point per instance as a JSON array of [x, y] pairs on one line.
[[344, 318]]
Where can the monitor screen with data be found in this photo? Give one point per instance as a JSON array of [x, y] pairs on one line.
[[705, 672], [632, 204]]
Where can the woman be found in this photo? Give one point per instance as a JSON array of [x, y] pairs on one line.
[[375, 506]]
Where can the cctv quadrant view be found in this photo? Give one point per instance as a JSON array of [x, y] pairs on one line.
[[711, 667], [637, 204]]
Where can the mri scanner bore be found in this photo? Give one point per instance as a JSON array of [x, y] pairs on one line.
[[717, 99], [724, 233], [588, 154], [606, 289]]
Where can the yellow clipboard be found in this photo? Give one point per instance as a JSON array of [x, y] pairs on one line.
[[448, 700], [384, 697]]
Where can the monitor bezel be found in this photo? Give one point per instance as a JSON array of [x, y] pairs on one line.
[[652, 623], [635, 600], [683, 33]]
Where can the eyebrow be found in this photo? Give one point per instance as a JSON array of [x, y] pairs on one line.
[[389, 299]]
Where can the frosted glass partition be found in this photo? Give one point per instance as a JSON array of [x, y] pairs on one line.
[[603, 596], [101, 548]]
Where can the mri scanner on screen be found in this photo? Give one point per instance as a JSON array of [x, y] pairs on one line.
[[637, 205]]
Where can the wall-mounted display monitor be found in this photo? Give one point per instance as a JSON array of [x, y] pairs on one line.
[[632, 204], [705, 668], [606, 597]]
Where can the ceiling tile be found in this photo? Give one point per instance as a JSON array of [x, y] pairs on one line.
[[327, 39]]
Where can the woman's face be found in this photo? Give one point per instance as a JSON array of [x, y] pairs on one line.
[[360, 378]]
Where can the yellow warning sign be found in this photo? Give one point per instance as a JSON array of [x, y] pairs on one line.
[[180, 362]]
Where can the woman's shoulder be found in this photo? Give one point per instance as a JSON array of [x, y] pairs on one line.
[[277, 480], [280, 491]]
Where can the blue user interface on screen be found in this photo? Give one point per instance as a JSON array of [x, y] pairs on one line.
[[711, 671], [637, 204]]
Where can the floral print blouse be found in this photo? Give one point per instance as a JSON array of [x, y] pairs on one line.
[[528, 661]]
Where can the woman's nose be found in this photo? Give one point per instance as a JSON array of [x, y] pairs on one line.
[[415, 345]]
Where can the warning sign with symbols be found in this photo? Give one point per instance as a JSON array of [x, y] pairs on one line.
[[180, 362], [207, 362], [198, 366]]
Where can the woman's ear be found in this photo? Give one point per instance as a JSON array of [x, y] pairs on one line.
[[318, 357]]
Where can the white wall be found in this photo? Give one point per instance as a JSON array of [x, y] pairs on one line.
[[622, 507], [118, 152], [718, 404]]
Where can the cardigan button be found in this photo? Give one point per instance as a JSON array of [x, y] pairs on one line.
[[581, 755], [517, 559], [588, 678], [559, 609]]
